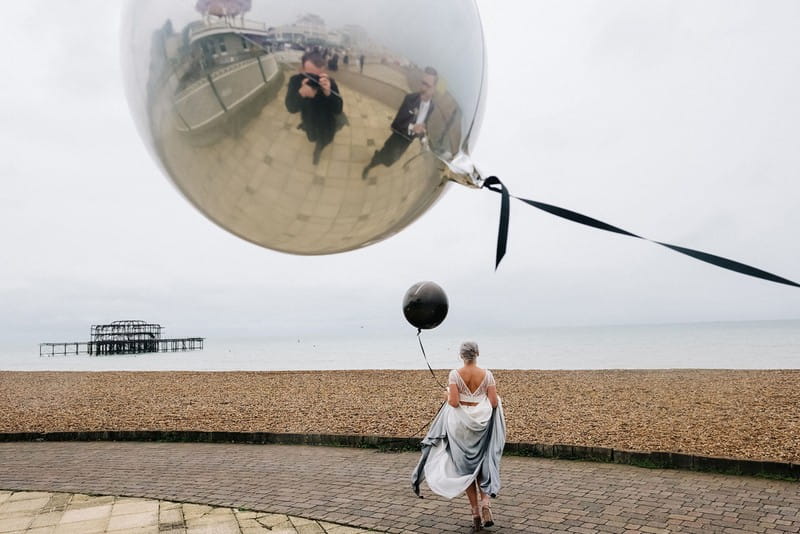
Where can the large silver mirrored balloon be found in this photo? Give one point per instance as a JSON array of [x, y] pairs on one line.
[[307, 126]]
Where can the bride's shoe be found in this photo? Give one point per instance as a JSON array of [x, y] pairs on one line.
[[486, 513], [477, 525]]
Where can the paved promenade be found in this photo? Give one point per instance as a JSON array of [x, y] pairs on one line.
[[369, 489], [39, 512]]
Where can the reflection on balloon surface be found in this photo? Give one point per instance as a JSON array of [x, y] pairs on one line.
[[307, 126], [425, 305]]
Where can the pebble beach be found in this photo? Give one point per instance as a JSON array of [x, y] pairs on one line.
[[732, 413]]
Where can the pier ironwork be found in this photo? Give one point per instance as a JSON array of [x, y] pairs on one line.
[[122, 337]]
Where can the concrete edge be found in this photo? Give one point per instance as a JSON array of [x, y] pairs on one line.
[[651, 459]]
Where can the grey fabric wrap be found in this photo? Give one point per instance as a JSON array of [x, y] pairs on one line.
[[483, 451]]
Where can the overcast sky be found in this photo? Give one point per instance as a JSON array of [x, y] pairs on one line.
[[679, 121]]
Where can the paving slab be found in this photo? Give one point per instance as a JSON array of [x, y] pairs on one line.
[[112, 515], [368, 489]]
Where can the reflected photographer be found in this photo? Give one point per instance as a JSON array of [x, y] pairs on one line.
[[410, 122], [315, 95]]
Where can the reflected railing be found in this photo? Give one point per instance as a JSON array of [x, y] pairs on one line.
[[210, 27], [222, 91]]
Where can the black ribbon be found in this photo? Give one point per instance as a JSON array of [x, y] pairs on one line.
[[423, 427], [494, 184], [419, 331]]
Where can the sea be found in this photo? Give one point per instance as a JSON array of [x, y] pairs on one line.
[[720, 345]]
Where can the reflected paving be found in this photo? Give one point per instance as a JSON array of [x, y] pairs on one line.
[[273, 190]]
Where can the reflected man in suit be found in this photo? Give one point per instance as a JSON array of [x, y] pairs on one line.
[[410, 122], [316, 97]]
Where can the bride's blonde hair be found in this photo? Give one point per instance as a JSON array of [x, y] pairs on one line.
[[469, 351]]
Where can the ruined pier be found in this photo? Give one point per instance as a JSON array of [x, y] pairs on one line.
[[122, 337]]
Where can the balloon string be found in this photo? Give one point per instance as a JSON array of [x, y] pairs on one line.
[[419, 331], [431, 420], [494, 184]]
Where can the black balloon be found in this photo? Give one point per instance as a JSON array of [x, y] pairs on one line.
[[425, 305]]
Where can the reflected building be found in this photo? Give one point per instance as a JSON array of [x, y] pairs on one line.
[[309, 30], [355, 36], [212, 69]]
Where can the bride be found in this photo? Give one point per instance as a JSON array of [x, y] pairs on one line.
[[462, 450]]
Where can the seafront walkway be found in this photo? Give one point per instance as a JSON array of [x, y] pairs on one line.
[[39, 512], [369, 489]]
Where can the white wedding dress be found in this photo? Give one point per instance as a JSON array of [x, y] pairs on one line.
[[462, 443]]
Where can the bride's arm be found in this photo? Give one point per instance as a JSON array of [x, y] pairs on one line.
[[452, 396], [491, 393]]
